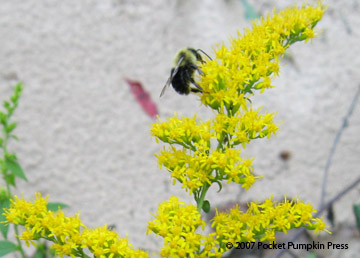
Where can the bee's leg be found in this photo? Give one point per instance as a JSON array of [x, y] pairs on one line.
[[192, 81], [198, 70], [195, 90], [196, 85]]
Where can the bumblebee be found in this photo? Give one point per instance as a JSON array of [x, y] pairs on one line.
[[182, 73]]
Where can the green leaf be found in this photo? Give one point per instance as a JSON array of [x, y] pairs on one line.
[[18, 88], [3, 118], [15, 168], [10, 156], [40, 250], [220, 186], [357, 215], [14, 137], [312, 255], [54, 206], [7, 105], [10, 179], [7, 247], [4, 227], [39, 254], [9, 128], [43, 251], [206, 206]]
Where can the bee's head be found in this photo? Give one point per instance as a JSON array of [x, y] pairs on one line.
[[196, 54]]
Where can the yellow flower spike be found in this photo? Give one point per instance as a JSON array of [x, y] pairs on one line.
[[205, 152], [255, 53], [182, 238], [202, 153], [259, 218], [68, 234]]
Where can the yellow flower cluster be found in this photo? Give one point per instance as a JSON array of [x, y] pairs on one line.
[[261, 221], [241, 128], [194, 134], [192, 170], [196, 163], [184, 131], [254, 56], [177, 223], [68, 234]]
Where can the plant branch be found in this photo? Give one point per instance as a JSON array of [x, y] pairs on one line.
[[333, 148], [201, 200]]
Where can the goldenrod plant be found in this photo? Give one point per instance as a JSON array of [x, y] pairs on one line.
[[10, 168], [200, 154], [203, 153]]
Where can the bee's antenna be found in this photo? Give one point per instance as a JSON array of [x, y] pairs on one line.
[[204, 53]]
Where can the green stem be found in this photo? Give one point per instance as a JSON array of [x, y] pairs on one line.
[[201, 200], [85, 255], [4, 149], [80, 253], [8, 190], [4, 163], [19, 242]]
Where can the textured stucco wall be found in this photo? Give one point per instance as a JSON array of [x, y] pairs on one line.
[[85, 141]]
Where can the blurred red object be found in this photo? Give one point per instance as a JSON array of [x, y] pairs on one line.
[[142, 97]]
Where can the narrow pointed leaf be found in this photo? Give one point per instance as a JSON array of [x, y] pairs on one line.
[[7, 247], [10, 179], [15, 168], [4, 227], [10, 127]]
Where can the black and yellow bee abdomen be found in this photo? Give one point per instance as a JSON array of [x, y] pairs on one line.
[[181, 80]]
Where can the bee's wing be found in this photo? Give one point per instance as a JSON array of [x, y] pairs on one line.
[[166, 85], [176, 69]]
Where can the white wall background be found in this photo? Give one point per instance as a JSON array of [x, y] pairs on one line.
[[85, 141]]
